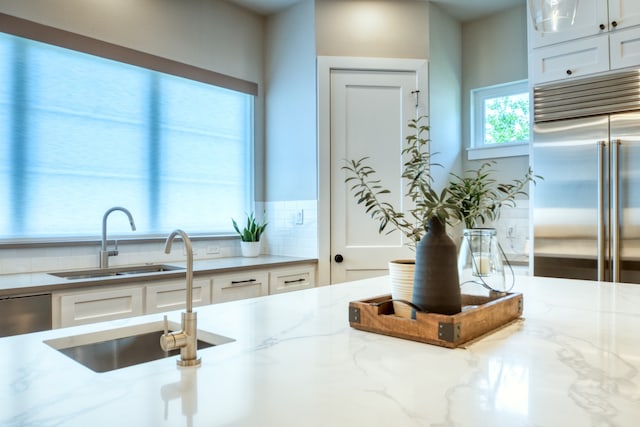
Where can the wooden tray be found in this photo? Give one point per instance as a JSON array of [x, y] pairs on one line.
[[480, 315]]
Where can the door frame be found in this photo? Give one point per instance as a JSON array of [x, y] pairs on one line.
[[325, 64]]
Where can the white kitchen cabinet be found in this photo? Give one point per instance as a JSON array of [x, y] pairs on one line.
[[592, 17], [569, 60], [625, 13], [110, 302], [241, 285], [96, 305], [605, 36], [291, 279], [625, 48], [172, 295]]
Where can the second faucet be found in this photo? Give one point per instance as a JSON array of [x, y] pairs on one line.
[[104, 253]]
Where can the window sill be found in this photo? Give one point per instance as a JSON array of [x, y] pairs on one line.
[[506, 150], [87, 241]]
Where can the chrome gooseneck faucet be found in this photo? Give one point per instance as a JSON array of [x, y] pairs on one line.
[[104, 253], [186, 339]]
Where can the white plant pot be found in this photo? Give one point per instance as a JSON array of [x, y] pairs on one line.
[[401, 273], [250, 249]]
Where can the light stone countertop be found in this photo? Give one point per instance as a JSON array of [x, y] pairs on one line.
[[30, 283], [574, 360]]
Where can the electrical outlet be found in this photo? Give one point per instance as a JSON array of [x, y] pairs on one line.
[[300, 217], [212, 249]]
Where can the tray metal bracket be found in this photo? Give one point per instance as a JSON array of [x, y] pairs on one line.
[[354, 314], [448, 331]]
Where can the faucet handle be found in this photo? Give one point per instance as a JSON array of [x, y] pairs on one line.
[[166, 325]]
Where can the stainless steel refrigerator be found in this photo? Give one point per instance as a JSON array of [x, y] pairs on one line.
[[586, 210]]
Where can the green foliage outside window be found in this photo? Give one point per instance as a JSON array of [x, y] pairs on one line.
[[507, 119]]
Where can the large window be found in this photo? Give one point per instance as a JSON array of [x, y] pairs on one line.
[[80, 134], [500, 117]]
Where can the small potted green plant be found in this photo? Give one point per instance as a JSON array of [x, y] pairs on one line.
[[250, 235]]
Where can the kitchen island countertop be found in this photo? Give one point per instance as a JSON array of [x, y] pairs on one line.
[[573, 360]]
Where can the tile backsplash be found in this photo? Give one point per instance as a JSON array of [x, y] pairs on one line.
[[45, 259], [292, 231], [512, 229]]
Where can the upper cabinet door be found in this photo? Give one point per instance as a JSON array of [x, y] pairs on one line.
[[625, 13], [591, 18]]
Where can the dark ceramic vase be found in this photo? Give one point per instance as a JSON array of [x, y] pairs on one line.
[[436, 287]]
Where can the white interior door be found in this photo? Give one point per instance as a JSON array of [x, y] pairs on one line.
[[369, 115]]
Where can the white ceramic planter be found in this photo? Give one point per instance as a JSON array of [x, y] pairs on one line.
[[250, 249], [401, 273]]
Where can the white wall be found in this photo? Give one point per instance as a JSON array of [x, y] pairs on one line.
[[290, 87], [291, 164], [211, 34], [445, 80], [391, 29]]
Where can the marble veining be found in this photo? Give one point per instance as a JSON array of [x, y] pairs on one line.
[[572, 360]]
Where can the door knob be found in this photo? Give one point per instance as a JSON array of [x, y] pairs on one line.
[[338, 258]]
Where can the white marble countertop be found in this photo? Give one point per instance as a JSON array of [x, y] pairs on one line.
[[574, 360]]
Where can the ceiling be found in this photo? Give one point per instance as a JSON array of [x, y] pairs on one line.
[[462, 10], [467, 10]]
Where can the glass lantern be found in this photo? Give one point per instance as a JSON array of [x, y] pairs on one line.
[[481, 260]]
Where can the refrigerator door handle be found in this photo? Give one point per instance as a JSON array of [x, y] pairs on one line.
[[602, 145], [615, 214]]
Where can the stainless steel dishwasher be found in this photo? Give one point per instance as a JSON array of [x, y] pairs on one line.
[[24, 314]]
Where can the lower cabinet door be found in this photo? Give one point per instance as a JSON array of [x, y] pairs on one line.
[[170, 296], [240, 286], [291, 279], [90, 306]]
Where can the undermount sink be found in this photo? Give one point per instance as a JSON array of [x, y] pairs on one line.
[[115, 271], [118, 348]]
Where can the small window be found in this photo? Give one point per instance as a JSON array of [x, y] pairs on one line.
[[500, 117]]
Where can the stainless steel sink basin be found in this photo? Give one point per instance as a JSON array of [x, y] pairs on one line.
[[118, 348], [115, 271]]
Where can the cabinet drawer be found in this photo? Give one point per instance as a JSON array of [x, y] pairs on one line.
[[625, 48], [239, 286], [569, 60], [100, 305], [291, 280], [169, 296]]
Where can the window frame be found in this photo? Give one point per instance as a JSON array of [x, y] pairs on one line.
[[478, 150]]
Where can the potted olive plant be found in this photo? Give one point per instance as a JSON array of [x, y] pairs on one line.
[[427, 205], [468, 199], [250, 235]]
